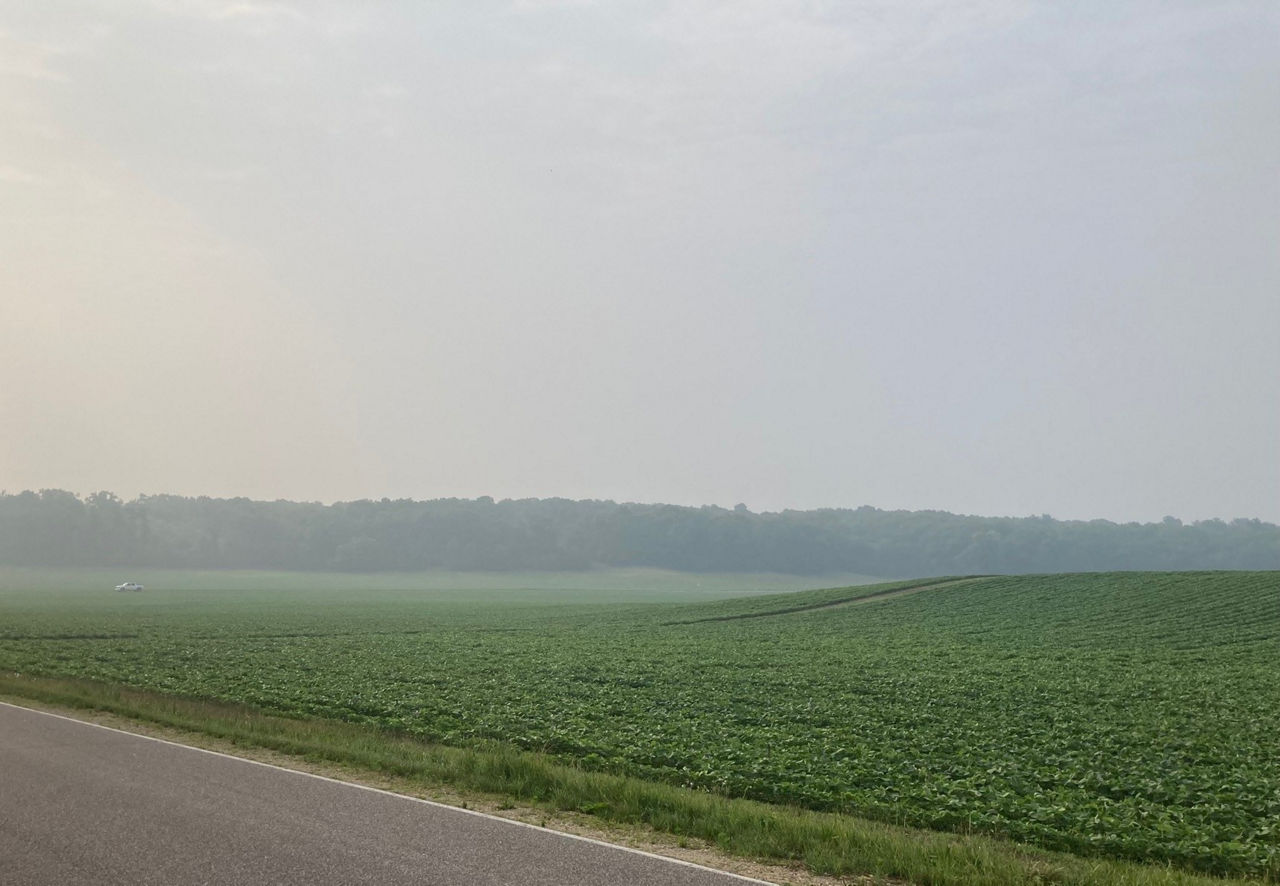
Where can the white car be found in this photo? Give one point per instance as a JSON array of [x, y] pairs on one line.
[[129, 586]]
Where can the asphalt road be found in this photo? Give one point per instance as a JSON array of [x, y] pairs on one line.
[[84, 804]]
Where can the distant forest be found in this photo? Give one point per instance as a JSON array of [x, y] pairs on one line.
[[57, 528]]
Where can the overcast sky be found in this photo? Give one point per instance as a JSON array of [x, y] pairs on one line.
[[992, 256]]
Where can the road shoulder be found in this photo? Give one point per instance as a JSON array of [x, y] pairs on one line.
[[576, 824]]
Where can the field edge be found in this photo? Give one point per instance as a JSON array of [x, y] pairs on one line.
[[824, 844]]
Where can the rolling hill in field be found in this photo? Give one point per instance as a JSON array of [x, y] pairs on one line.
[[1130, 715]]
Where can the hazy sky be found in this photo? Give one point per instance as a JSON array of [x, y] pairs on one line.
[[986, 256]]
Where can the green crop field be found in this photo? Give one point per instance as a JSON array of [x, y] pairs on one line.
[[1126, 715]]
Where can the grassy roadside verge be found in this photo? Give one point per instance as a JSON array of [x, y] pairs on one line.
[[826, 844]]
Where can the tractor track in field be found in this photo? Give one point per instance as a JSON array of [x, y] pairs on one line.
[[831, 604]]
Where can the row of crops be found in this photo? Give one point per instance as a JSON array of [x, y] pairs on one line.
[[1128, 715]]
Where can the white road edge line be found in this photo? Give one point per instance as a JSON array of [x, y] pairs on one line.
[[365, 787]]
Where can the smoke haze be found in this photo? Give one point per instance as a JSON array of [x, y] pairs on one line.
[[991, 257]]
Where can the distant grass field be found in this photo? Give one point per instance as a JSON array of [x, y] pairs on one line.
[[1125, 715], [589, 586]]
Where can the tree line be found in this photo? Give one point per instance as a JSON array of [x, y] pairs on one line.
[[57, 528]]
